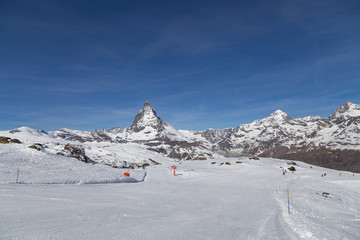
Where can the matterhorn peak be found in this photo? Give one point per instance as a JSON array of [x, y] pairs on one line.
[[148, 109], [147, 104], [147, 117]]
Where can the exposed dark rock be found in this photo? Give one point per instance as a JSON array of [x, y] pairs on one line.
[[71, 137], [14, 140], [14, 131], [178, 153], [325, 194], [158, 150], [348, 160], [154, 162], [75, 152], [292, 168], [153, 144], [292, 163], [37, 146], [5, 140], [101, 136], [225, 145], [275, 151]]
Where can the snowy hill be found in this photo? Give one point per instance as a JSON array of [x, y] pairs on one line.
[[41, 167]]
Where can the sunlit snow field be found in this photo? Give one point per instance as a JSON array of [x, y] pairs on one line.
[[245, 200]]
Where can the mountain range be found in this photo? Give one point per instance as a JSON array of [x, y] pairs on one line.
[[332, 142]]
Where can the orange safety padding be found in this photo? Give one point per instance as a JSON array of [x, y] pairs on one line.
[[127, 174]]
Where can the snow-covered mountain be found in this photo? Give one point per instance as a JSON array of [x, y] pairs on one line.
[[330, 142], [147, 126], [148, 138]]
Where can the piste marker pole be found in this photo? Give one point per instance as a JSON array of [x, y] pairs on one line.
[[288, 195], [17, 176]]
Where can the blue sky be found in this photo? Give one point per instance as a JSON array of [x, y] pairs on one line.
[[202, 64]]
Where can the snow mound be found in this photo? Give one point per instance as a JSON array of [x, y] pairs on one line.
[[40, 167]]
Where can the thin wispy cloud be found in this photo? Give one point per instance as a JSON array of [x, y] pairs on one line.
[[199, 64]]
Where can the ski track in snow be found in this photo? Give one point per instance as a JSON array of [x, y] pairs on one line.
[[203, 201], [313, 216]]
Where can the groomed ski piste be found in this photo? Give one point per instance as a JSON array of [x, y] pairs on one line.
[[56, 197]]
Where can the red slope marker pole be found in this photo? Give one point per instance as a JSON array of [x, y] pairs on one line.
[[288, 200], [17, 177]]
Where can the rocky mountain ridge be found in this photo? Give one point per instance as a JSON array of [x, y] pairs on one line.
[[330, 142]]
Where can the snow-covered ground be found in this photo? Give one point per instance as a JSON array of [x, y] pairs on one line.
[[40, 167], [245, 200]]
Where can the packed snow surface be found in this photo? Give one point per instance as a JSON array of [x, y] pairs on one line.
[[37, 167], [245, 200]]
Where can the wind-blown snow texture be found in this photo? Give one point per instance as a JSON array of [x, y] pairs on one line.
[[245, 200]]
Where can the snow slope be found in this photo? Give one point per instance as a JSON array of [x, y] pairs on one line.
[[39, 167], [109, 153], [245, 200]]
